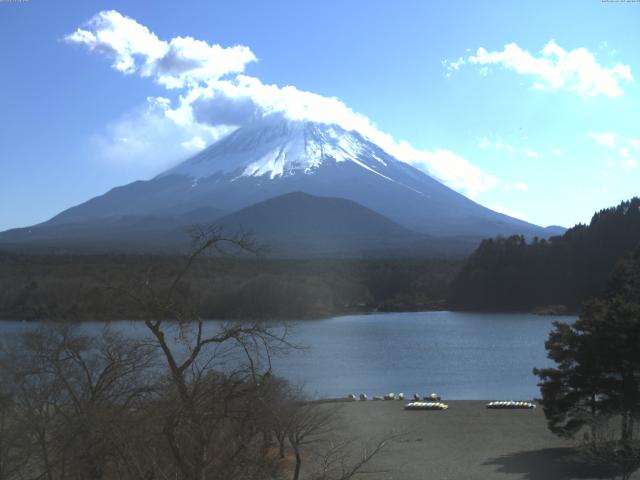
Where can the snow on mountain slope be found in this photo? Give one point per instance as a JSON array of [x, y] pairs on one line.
[[270, 158], [283, 148]]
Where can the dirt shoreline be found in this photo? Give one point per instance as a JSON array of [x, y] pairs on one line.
[[467, 441]]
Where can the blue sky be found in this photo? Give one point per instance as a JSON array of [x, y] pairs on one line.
[[527, 107]]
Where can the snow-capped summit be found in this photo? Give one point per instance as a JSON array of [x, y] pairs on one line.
[[280, 148]]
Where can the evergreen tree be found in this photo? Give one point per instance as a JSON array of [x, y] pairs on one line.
[[597, 373]]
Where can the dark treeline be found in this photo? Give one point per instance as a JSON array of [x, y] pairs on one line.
[[83, 286], [558, 274]]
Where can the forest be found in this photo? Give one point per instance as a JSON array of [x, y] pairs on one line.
[[548, 276], [90, 287], [555, 275]]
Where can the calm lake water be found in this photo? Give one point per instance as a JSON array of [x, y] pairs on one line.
[[458, 355]]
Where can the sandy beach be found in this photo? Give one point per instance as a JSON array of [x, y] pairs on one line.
[[467, 441]]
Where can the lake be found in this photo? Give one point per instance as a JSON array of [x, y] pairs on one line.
[[460, 356]]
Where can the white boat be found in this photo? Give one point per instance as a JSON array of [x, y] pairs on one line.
[[426, 406], [510, 404]]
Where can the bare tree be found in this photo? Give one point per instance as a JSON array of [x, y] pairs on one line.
[[212, 374], [307, 424], [11, 438], [69, 390], [309, 428], [188, 401], [337, 461]]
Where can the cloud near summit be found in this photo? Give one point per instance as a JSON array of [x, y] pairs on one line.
[[216, 95]]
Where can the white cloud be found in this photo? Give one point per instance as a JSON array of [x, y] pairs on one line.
[[244, 99], [195, 144], [122, 38], [554, 69], [606, 139], [498, 144], [518, 185], [215, 97], [455, 171], [147, 138], [509, 212], [453, 66], [174, 64], [623, 146], [555, 151]]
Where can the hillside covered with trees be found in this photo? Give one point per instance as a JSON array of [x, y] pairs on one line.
[[87, 287], [559, 274]]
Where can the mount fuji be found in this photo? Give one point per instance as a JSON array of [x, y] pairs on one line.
[[338, 176]]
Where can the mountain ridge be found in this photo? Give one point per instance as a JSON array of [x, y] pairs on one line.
[[269, 159], [293, 225]]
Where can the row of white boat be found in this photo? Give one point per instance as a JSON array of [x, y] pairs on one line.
[[426, 406], [510, 404], [432, 402], [434, 397], [507, 404]]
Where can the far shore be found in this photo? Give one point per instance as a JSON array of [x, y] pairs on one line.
[[316, 316]]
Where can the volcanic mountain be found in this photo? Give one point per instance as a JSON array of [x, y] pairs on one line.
[[270, 159]]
